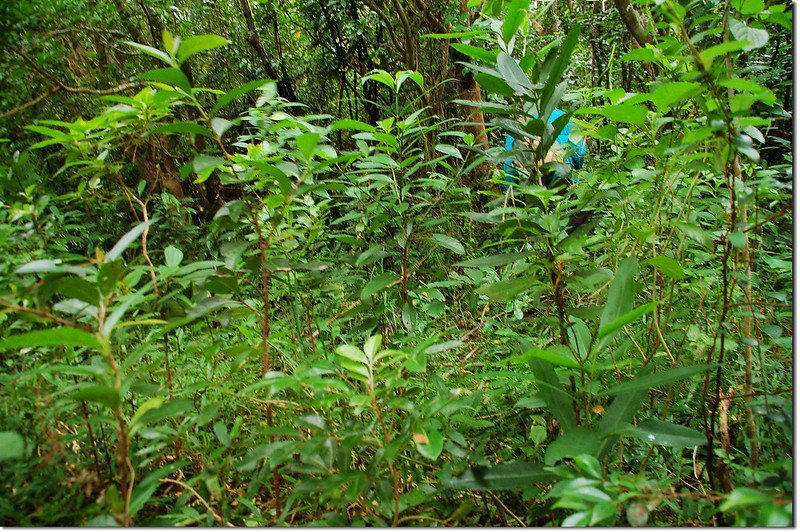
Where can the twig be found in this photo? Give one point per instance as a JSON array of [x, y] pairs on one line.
[[766, 220], [60, 84], [421, 518], [217, 517], [498, 501], [757, 393], [44, 314], [31, 103]]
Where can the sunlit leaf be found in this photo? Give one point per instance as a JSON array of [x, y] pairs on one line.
[[66, 336], [199, 43], [11, 446]]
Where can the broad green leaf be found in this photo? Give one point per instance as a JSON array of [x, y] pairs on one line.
[[755, 37], [50, 132], [708, 55], [232, 94], [533, 402], [558, 124], [372, 346], [620, 294], [307, 143], [353, 353], [582, 495], [450, 150], [558, 355], [99, 394], [624, 113], [580, 337], [102, 521], [554, 87], [221, 432], [493, 84], [377, 284], [516, 14], [417, 362], [696, 233], [737, 239], [171, 408], [574, 442], [750, 87], [510, 288], [433, 448], [475, 52], [66, 336], [666, 265], [656, 379], [209, 305], [220, 126], [201, 163], [448, 242], [625, 319], [444, 346], [79, 288], [748, 7], [620, 413], [403, 75], [494, 260], [199, 43], [645, 55], [152, 52], [589, 464], [373, 254], [358, 371], [743, 498], [602, 511], [537, 434], [494, 107], [578, 519], [512, 74], [173, 256], [169, 76], [170, 42], [672, 92], [277, 453], [11, 446], [558, 401], [381, 76], [513, 475], [657, 432], [151, 404], [47, 266], [126, 240]]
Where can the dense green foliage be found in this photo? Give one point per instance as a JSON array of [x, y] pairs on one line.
[[295, 289]]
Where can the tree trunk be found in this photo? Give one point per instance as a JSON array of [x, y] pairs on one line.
[[470, 90], [255, 41], [285, 79], [633, 21], [153, 23], [127, 20]]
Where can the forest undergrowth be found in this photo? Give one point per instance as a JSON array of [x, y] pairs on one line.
[[254, 306]]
